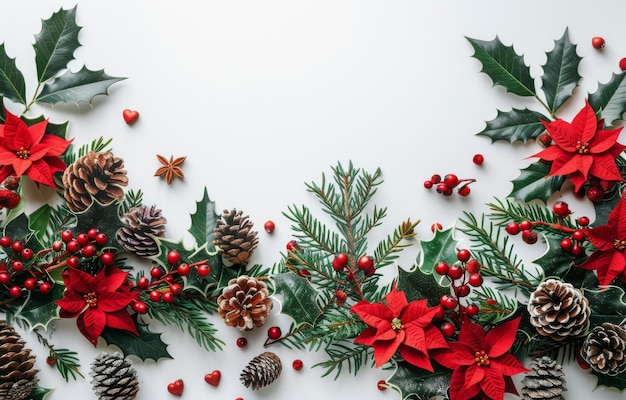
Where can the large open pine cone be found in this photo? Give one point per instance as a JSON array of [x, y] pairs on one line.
[[545, 381], [94, 176], [114, 377], [604, 349], [559, 310], [244, 303], [261, 370], [17, 376], [140, 226], [234, 236]]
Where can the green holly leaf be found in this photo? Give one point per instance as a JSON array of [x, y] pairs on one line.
[[12, 85], [442, 247], [534, 183], [203, 221], [560, 72], [418, 285], [75, 87], [38, 222], [39, 309], [147, 346], [504, 66], [616, 382], [105, 217], [603, 209], [298, 298], [515, 125], [39, 393], [610, 98], [555, 262], [416, 383], [55, 43], [607, 305]]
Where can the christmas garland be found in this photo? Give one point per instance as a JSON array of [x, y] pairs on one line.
[[459, 323]]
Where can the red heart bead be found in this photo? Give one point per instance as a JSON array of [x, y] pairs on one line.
[[213, 378], [176, 388], [130, 116]]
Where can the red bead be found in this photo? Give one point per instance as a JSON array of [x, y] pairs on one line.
[[451, 180], [173, 257], [82, 239], [448, 329], [478, 159], [463, 255], [167, 297], [597, 42], [269, 226], [274, 333], [583, 221], [475, 280], [381, 385], [561, 209], [365, 263], [155, 296], [15, 292], [66, 235], [17, 246], [512, 228], [45, 288], [455, 272], [242, 342], [30, 283], [442, 268], [203, 270], [622, 64], [297, 365], [183, 269]]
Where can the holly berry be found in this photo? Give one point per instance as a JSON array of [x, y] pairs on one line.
[[57, 245], [5, 241], [67, 235], [475, 280], [91, 233], [45, 287], [51, 360], [242, 342], [17, 246], [442, 268], [512, 228], [203, 270], [462, 291], [89, 251], [595, 194], [451, 180], [17, 266], [622, 64], [566, 244], [143, 283], [381, 385], [464, 191], [167, 297], [545, 139], [274, 333], [156, 272], [297, 365], [292, 245], [448, 329], [472, 310], [183, 269], [473, 266], [561, 209], [15, 292], [583, 221], [82, 239], [173, 257], [4, 277], [525, 225], [463, 255], [578, 235], [576, 250], [435, 178], [101, 239], [365, 263], [340, 297], [455, 272], [491, 302], [444, 189], [176, 289], [478, 159], [597, 42], [269, 226], [30, 283], [428, 184], [72, 246], [448, 302], [26, 254], [155, 296], [140, 307], [529, 237]]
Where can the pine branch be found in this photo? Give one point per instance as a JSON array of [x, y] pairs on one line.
[[386, 250], [311, 232], [508, 211], [131, 199], [349, 354], [66, 361], [96, 145], [495, 306]]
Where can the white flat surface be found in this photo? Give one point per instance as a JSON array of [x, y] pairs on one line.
[[262, 96]]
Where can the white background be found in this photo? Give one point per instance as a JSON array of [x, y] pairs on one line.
[[262, 96]]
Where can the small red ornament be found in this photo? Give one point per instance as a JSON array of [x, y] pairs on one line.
[[213, 378], [292, 245], [203, 270], [274, 333], [51, 360], [176, 388], [381, 385], [269, 226], [478, 159], [130, 116], [45, 288], [297, 365], [622, 64], [597, 42], [242, 342], [173, 257]]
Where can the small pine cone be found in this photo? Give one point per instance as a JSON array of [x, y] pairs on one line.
[[261, 370], [604, 349], [234, 236], [559, 310], [94, 176], [244, 303], [17, 376], [114, 377], [140, 226], [545, 381]]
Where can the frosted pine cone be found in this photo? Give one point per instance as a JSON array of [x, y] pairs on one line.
[[141, 225], [559, 310], [94, 176], [244, 303], [234, 236], [604, 349], [17, 376], [261, 371], [114, 377], [545, 381]]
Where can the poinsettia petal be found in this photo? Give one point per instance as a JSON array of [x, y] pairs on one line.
[[613, 269], [602, 237], [597, 260], [36, 133], [16, 133], [457, 389], [603, 140], [416, 357], [550, 153], [584, 125], [94, 321], [121, 320], [78, 281], [110, 279], [71, 303], [55, 164], [373, 314], [560, 132], [367, 337], [604, 167], [40, 172], [500, 338], [114, 301], [510, 386], [578, 180], [493, 385], [472, 335], [457, 355], [434, 338], [55, 145], [415, 337], [396, 301], [508, 365], [580, 163], [80, 323], [473, 376], [418, 312], [384, 350]]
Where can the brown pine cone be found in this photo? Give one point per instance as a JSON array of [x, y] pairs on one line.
[[244, 303], [559, 310], [17, 376], [141, 225], [261, 370], [604, 349], [94, 176], [234, 236]]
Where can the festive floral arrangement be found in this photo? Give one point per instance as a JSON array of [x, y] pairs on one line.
[[459, 323]]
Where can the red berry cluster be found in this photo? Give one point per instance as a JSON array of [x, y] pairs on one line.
[[9, 197], [573, 243], [449, 182], [528, 236], [17, 274], [364, 269]]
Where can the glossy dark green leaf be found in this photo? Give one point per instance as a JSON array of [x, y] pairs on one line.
[[203, 221], [39, 393], [555, 262], [12, 85], [38, 222], [147, 346], [39, 309], [515, 126], [610, 98], [74, 87], [441, 247], [607, 305], [418, 285], [416, 383], [55, 43], [534, 183], [560, 72], [298, 298], [616, 382], [504, 66], [603, 209]]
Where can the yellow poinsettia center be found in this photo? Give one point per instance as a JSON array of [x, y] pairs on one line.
[[396, 324], [91, 299], [619, 244], [23, 153], [481, 358], [582, 148]]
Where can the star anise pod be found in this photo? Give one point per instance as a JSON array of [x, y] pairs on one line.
[[170, 168]]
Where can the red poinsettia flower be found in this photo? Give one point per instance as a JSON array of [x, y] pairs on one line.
[[98, 301], [400, 325], [27, 150], [480, 362], [610, 242], [583, 149]]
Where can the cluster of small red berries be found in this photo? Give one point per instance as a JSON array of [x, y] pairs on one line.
[[447, 185], [364, 266], [573, 243], [525, 227], [15, 273], [9, 198]]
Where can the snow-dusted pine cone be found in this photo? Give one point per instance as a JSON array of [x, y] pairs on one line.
[[140, 226], [261, 370], [17, 376], [244, 303], [94, 176], [559, 310], [114, 377], [604, 349], [234, 237], [545, 381]]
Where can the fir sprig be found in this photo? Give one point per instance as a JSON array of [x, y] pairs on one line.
[[344, 353], [131, 199], [66, 361], [495, 306], [547, 222], [96, 145]]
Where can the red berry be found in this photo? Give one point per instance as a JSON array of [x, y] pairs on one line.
[[292, 245], [17, 246], [155, 296], [156, 272], [561, 209], [576, 250], [203, 270], [167, 297], [478, 159], [428, 184], [529, 237], [473, 266], [435, 178], [471, 310], [5, 241], [57, 245], [140, 307], [451, 180], [622, 64], [91, 233], [463, 255], [595, 194], [30, 283], [475, 280], [4, 277], [340, 297], [269, 226], [350, 276], [525, 225], [183, 269], [297, 365], [436, 226], [545, 139], [72, 246], [462, 291], [89, 251], [27, 253], [17, 266], [45, 287], [448, 329], [448, 302], [274, 333], [583, 221], [442, 268], [464, 191], [176, 289], [66, 235], [51, 360], [597, 42], [173, 257], [15, 292], [491, 302], [578, 235], [365, 263], [82, 239], [566, 244], [101, 239], [143, 283], [341, 259], [443, 189], [455, 272], [242, 342]]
